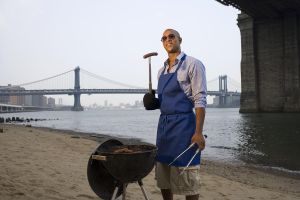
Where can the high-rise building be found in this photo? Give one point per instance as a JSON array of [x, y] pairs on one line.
[[39, 101], [60, 101], [28, 100], [51, 102], [36, 100], [44, 101], [15, 100], [4, 99]]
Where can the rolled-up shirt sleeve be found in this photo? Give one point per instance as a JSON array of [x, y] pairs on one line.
[[198, 84]]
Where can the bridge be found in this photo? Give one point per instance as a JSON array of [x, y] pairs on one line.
[[270, 65], [18, 90]]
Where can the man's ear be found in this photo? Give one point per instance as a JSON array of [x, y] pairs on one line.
[[180, 40]]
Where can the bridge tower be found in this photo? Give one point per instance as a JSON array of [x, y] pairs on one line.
[[77, 106], [223, 90]]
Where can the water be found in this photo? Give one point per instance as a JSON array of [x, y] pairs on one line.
[[271, 140]]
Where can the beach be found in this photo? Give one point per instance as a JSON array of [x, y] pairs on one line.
[[43, 163]]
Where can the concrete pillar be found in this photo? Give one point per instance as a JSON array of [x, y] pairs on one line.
[[291, 24], [269, 52], [249, 76], [270, 69]]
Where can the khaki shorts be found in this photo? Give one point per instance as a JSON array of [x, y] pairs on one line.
[[168, 177]]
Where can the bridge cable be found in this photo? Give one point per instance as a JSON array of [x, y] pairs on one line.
[[231, 79], [212, 80], [234, 82], [29, 83], [109, 80]]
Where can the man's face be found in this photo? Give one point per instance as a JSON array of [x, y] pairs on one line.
[[171, 41]]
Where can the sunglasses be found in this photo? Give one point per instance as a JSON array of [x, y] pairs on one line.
[[164, 38]]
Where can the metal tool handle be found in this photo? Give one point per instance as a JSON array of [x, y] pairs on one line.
[[190, 161], [182, 153], [150, 78], [149, 55]]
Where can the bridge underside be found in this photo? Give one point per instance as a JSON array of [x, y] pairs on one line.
[[270, 65], [264, 8]]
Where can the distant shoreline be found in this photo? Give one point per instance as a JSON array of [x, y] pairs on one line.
[[69, 108]]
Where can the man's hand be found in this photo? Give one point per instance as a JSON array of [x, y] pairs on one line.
[[199, 139], [150, 102]]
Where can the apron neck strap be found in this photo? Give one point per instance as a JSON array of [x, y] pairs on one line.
[[179, 65]]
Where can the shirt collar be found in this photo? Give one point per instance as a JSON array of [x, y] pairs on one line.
[[177, 59]]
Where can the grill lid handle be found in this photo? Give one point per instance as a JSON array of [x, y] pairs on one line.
[[98, 157]]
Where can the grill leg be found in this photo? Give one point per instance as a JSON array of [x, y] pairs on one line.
[[124, 191], [115, 193], [143, 190]]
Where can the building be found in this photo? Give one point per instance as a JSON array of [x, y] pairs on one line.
[[17, 100], [44, 101], [13, 100], [230, 102], [4, 99], [60, 101], [39, 101], [51, 102], [28, 100]]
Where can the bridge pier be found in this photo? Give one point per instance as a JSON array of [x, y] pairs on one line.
[[223, 89], [270, 65], [77, 105]]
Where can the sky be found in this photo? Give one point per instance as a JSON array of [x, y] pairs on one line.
[[43, 38]]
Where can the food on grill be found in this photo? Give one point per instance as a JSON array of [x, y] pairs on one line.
[[123, 150], [129, 149]]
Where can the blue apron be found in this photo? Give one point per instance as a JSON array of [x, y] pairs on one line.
[[177, 121]]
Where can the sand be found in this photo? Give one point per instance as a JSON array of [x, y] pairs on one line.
[[40, 163]]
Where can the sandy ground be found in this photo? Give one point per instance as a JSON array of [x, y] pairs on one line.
[[39, 163]]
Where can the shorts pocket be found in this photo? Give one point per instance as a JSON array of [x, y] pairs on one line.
[[188, 181]]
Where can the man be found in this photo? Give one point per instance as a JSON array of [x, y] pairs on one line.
[[181, 87]]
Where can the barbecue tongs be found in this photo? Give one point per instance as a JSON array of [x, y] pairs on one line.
[[197, 151]]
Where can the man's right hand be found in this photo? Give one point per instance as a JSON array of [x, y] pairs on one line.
[[150, 102]]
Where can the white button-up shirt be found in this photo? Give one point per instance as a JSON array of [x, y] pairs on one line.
[[191, 77]]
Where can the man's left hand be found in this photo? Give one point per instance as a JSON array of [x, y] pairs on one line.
[[199, 139]]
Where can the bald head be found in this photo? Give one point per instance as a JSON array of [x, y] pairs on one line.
[[174, 32]]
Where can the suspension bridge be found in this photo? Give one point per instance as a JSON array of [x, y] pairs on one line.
[[19, 90]]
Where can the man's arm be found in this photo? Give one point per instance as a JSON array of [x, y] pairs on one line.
[[198, 137], [199, 90]]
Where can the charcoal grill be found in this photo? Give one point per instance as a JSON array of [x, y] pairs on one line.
[[110, 171]]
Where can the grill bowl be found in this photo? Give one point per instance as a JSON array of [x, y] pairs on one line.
[[129, 167]]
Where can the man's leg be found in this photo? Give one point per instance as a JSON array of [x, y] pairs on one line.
[[167, 194], [192, 197], [162, 175]]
